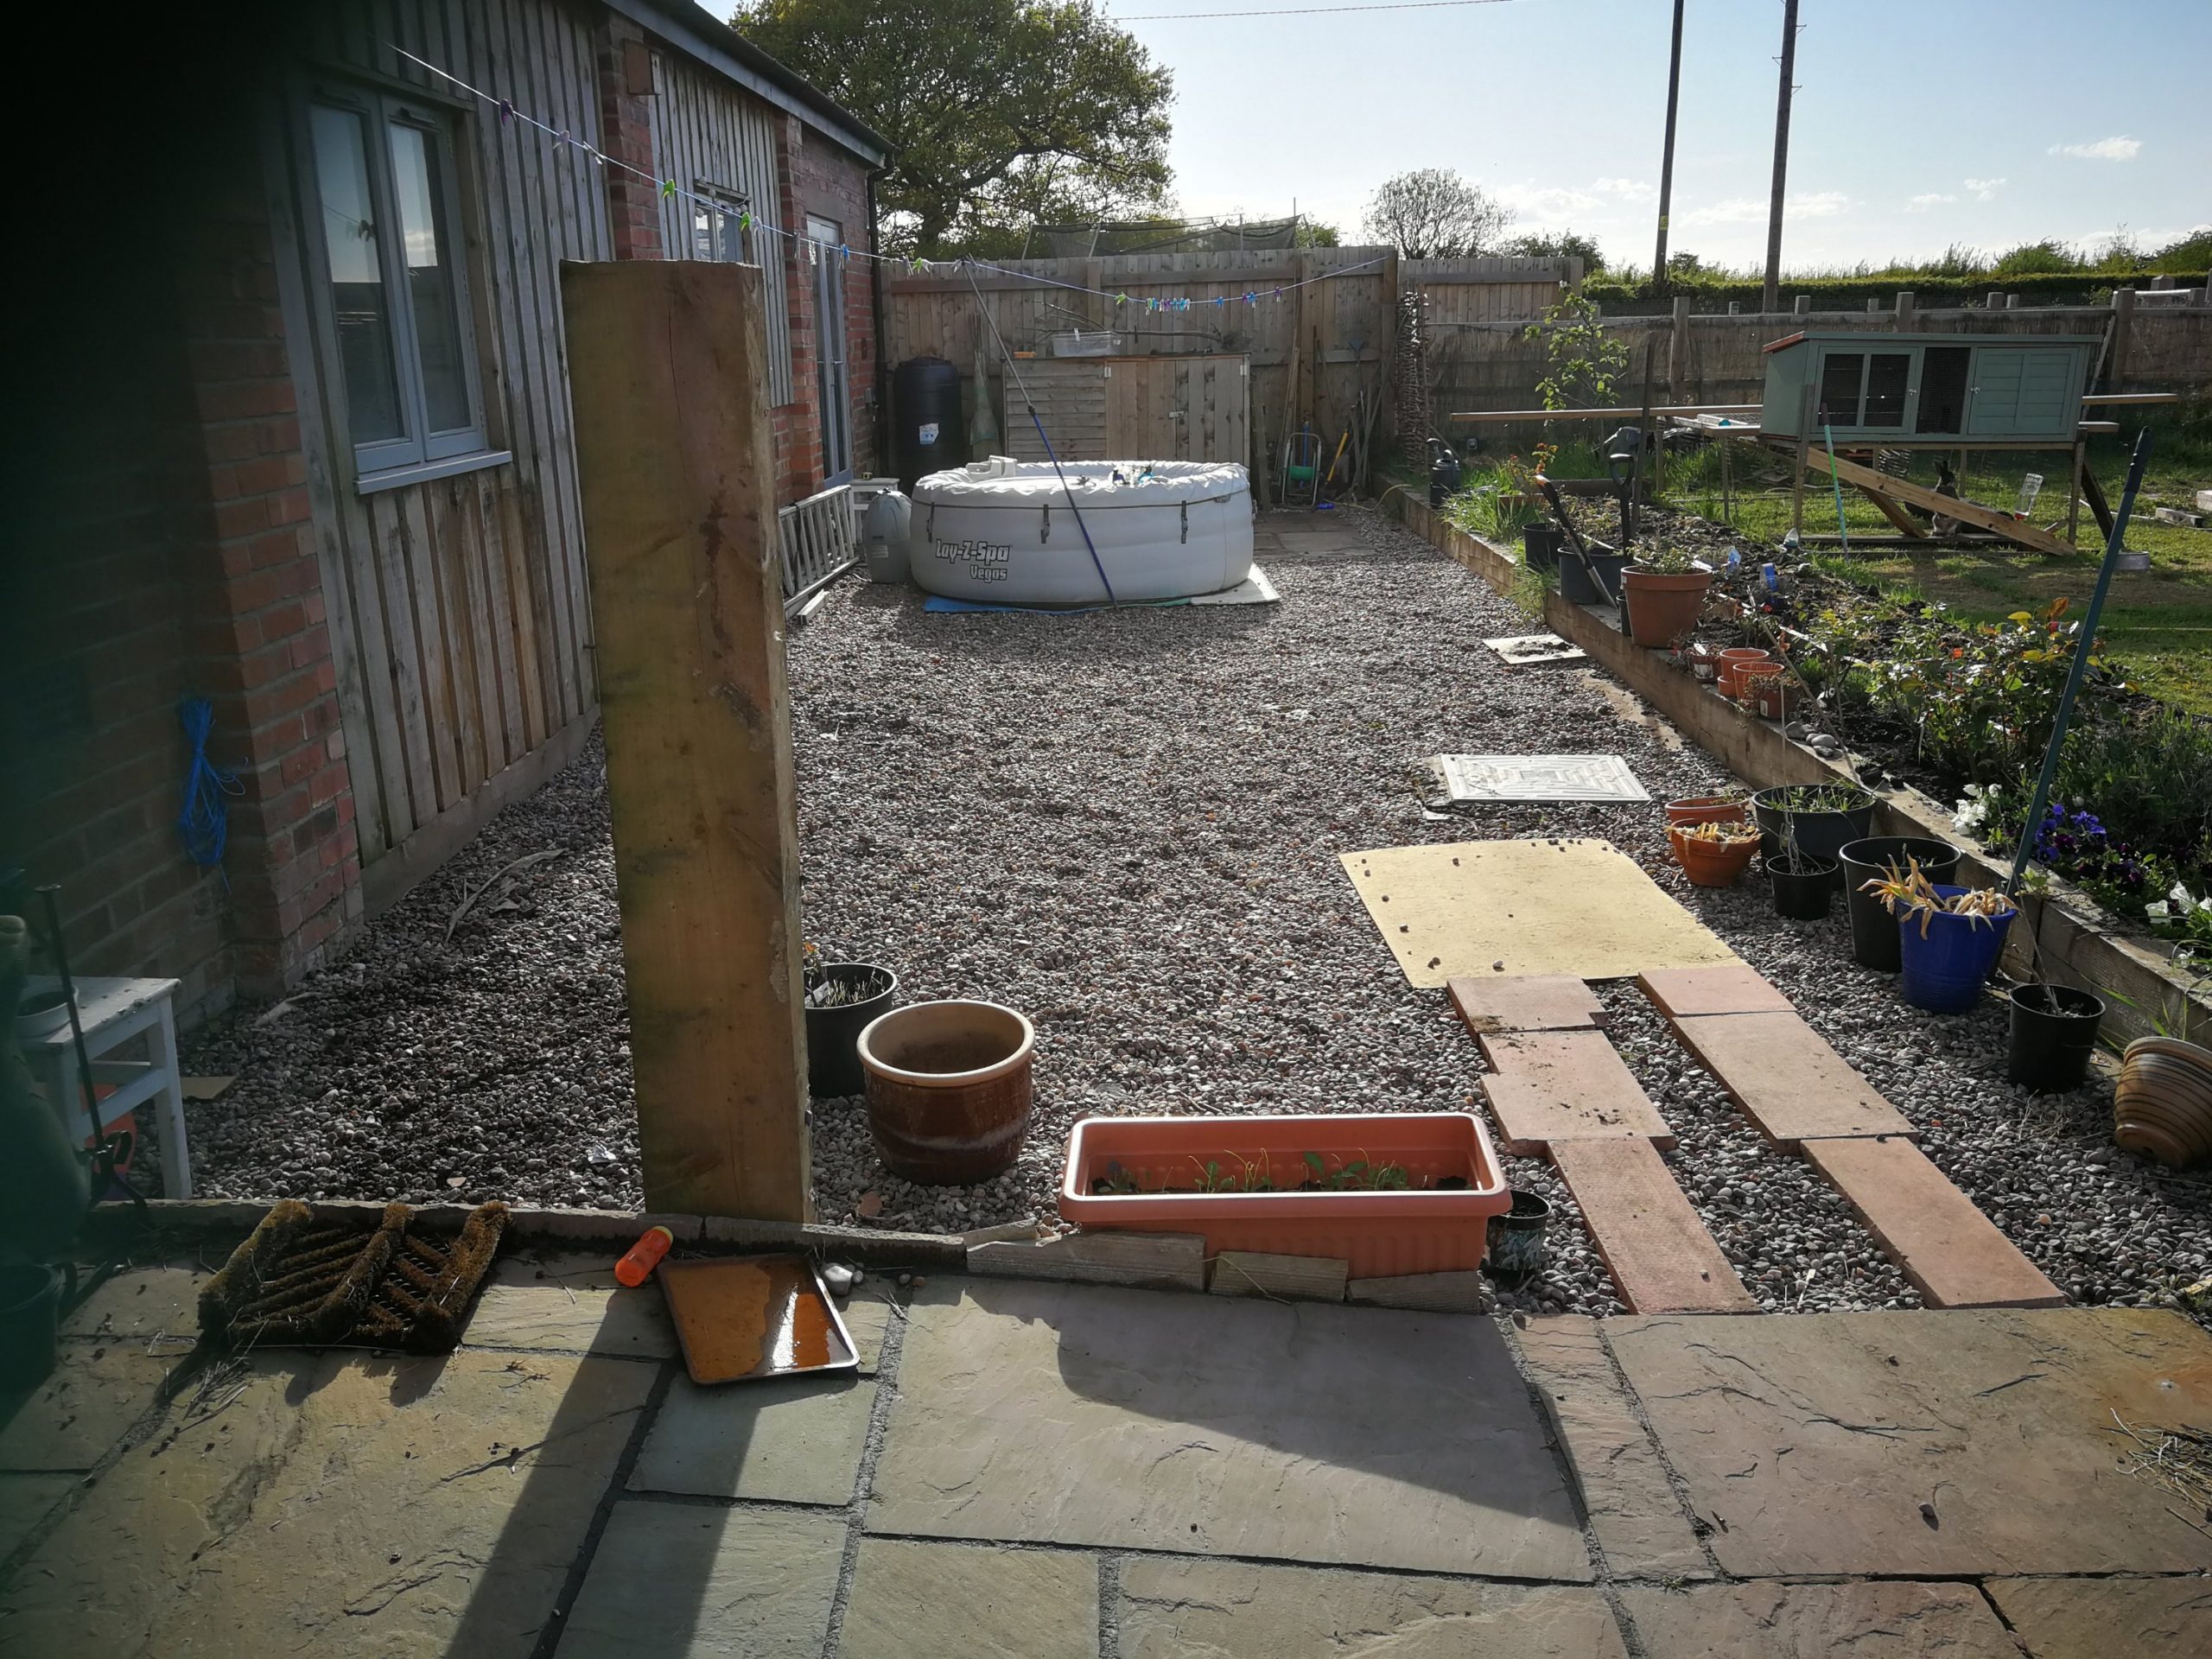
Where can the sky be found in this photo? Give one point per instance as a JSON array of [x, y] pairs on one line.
[[1917, 123]]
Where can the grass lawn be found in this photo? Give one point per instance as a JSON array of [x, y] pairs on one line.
[[2159, 624]]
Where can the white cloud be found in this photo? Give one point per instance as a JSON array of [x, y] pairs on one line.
[[1984, 189], [1626, 190], [2104, 150], [1751, 210], [1543, 202], [1933, 199]]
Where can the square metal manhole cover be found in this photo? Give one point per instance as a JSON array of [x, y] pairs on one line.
[[1463, 778]]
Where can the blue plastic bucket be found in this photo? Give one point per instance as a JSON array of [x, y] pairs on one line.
[[1945, 971]]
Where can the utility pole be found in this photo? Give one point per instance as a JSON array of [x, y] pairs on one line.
[[1667, 155], [1773, 300]]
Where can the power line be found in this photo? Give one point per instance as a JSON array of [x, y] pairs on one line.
[[1306, 11]]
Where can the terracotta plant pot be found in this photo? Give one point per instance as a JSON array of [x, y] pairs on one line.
[[1703, 661], [2163, 1102], [1711, 863], [1663, 606], [1707, 809], [1424, 1227], [948, 1089], [1732, 660], [1765, 690]]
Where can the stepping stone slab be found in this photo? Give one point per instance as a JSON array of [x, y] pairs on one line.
[[1660, 1256], [1526, 1002], [1724, 988], [1452, 1292], [790, 1440], [1478, 909], [341, 1503], [715, 1583], [1788, 1081], [1155, 1261], [2104, 1618], [1080, 1415], [977, 1601], [1954, 1255], [1639, 1521], [1230, 1610], [1549, 1087], [1810, 1442], [1816, 1621]]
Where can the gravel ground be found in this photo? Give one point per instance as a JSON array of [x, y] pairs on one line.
[[1126, 825]]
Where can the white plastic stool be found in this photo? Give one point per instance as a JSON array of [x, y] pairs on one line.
[[112, 1012]]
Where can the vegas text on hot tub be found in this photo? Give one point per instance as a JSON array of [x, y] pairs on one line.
[[1007, 530]]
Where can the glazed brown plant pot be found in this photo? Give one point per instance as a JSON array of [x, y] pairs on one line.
[[949, 1090], [1662, 606], [2163, 1102]]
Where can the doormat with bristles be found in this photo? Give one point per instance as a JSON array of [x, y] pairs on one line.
[[296, 1282]]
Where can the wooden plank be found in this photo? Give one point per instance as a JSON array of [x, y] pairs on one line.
[[1660, 1255], [1152, 1260], [1528, 1002], [1954, 1255], [1972, 512], [1256, 1273], [1913, 528], [1547, 1087], [667, 361], [402, 663], [1791, 1084]]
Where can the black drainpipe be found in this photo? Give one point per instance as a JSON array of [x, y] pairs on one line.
[[875, 308]]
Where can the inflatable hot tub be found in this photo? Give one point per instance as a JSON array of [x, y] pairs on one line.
[[1003, 531]]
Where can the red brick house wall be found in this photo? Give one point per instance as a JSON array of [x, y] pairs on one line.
[[815, 176]]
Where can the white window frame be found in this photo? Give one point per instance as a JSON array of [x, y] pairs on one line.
[[418, 451], [732, 202]]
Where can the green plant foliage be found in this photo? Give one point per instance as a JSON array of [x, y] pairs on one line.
[[1585, 358], [998, 112]]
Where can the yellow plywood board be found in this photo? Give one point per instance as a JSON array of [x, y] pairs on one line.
[[1484, 908]]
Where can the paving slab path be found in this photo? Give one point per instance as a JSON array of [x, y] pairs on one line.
[[1030, 1469]]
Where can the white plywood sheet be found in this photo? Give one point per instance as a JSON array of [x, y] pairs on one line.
[[1479, 909]]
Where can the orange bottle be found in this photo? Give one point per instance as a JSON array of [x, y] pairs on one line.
[[638, 1263]]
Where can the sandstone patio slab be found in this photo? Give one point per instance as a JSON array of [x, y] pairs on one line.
[[978, 1601], [1814, 1621], [793, 1440], [575, 1310], [709, 1583], [1970, 1442], [1038, 1412], [95, 1393], [2102, 1618], [338, 1503], [24, 1500], [1230, 1610], [1639, 1522], [143, 1304]]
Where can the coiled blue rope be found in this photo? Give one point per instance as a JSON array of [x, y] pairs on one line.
[[203, 822]]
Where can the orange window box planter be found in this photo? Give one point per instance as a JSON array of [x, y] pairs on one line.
[[1382, 1232]]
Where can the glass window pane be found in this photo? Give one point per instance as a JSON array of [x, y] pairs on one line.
[[1885, 382], [733, 238], [418, 190], [1839, 376], [702, 232], [358, 298]]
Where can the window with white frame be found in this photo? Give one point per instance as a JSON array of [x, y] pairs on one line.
[[718, 229], [394, 286]]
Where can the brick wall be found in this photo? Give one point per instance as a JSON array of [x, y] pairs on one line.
[[626, 134], [817, 177]]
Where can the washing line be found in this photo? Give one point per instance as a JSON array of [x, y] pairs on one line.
[[1037, 421], [669, 189]]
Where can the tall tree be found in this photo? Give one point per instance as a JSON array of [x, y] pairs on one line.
[[1434, 213], [999, 110]]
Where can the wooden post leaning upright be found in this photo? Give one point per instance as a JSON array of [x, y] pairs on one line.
[[668, 377]]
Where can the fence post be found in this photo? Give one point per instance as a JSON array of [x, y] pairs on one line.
[[1678, 352], [2123, 331], [668, 377], [1904, 307], [1804, 305]]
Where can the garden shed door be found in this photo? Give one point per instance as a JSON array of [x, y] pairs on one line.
[[1182, 408], [2022, 391]]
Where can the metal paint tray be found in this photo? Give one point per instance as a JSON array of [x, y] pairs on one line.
[[742, 1318]]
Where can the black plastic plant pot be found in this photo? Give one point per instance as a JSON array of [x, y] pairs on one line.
[[30, 1298], [1803, 887], [1541, 544], [2054, 1034], [1516, 1238], [1574, 583], [1816, 835], [1873, 930], [833, 1034]]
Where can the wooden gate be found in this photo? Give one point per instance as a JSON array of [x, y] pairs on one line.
[[1181, 408]]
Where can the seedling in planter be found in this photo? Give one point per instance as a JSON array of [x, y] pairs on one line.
[[1820, 798], [1116, 1181], [1720, 835], [824, 990]]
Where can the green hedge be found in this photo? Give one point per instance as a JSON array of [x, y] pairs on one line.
[[1851, 293]]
